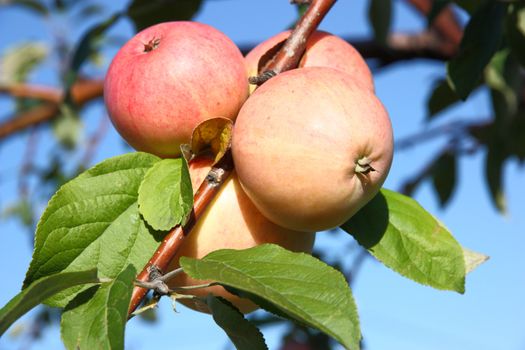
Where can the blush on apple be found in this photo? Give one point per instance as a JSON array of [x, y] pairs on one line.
[[170, 77]]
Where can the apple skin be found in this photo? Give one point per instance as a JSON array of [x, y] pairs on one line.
[[296, 144], [231, 221], [170, 77], [322, 50]]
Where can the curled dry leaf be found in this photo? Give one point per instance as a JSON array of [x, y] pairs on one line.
[[213, 135]]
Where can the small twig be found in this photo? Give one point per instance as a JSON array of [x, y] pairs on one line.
[[173, 240], [290, 54]]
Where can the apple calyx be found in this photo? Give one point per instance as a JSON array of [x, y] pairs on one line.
[[152, 45], [363, 166]]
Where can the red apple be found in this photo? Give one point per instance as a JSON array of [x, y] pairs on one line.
[[170, 77], [230, 221], [322, 50], [311, 146]]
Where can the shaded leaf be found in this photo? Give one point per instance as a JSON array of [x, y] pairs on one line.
[[444, 176], [379, 15], [299, 285], [97, 317], [39, 291], [406, 238], [88, 45], [93, 221], [165, 195], [516, 30], [243, 334], [480, 41], [19, 61], [494, 161], [437, 7], [145, 13], [213, 134], [67, 127], [502, 75], [441, 98]]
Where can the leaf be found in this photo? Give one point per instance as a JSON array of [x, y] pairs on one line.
[[165, 195], [145, 13], [299, 285], [494, 161], [213, 134], [379, 15], [97, 317], [19, 61], [473, 259], [402, 235], [444, 176], [516, 30], [502, 75], [480, 41], [40, 290], [243, 334], [89, 45], [442, 97], [93, 222]]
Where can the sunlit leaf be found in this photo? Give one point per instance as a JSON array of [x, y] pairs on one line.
[[406, 238], [299, 285]]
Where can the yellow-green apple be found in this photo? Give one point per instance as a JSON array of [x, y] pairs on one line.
[[311, 147], [230, 221], [322, 50], [170, 77]]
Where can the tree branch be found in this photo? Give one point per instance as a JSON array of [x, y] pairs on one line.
[[82, 92]]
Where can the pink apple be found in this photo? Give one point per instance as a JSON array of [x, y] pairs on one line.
[[311, 147], [170, 77], [322, 50]]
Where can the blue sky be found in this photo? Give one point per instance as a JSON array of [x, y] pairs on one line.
[[395, 313]]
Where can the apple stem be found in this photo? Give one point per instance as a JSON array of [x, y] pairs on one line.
[[290, 54], [173, 239]]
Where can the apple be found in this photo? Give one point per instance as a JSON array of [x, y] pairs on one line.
[[170, 77], [230, 221], [311, 146], [322, 50]]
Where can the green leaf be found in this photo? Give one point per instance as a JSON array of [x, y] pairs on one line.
[[165, 195], [299, 285], [93, 221], [97, 317], [243, 334], [516, 31], [145, 13], [470, 5], [502, 75], [89, 45], [444, 176], [406, 238], [67, 127], [494, 162], [40, 290], [379, 15], [19, 61], [480, 41], [441, 98]]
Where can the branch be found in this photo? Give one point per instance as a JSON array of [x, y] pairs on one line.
[[220, 172], [82, 92]]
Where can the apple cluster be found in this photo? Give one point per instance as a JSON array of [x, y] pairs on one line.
[[311, 146]]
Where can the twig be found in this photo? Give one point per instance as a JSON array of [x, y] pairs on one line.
[[207, 190], [173, 240], [290, 54], [82, 92]]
